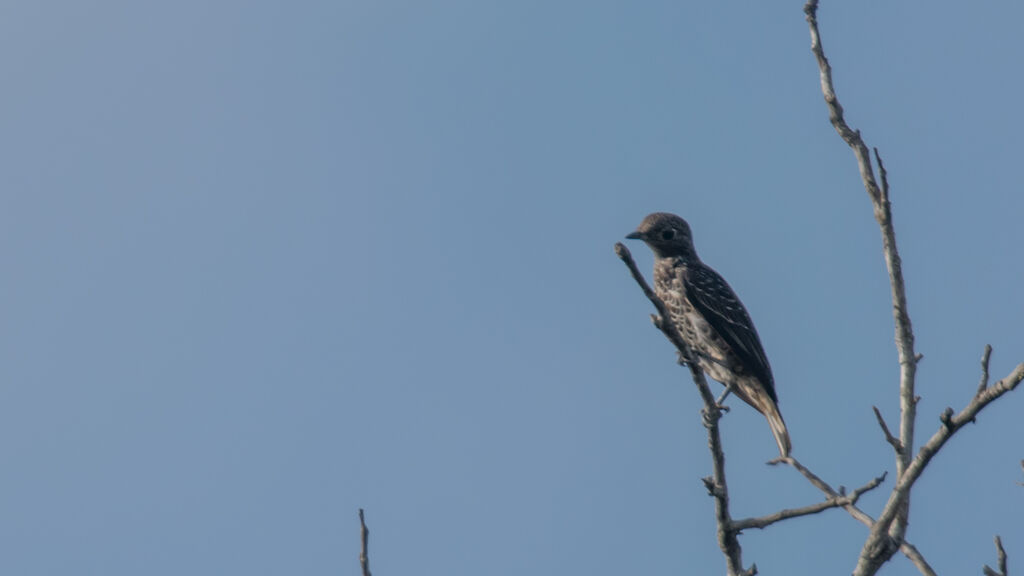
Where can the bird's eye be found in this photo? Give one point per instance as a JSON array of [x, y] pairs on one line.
[[668, 234]]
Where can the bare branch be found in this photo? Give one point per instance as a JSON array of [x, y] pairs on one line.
[[984, 368], [1001, 558], [887, 533], [908, 549], [894, 441], [875, 552], [364, 536], [837, 501], [716, 484], [950, 425]]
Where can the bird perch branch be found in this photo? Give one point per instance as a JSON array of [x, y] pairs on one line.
[[888, 531], [728, 529], [716, 484]]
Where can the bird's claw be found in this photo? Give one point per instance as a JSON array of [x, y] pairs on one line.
[[722, 398]]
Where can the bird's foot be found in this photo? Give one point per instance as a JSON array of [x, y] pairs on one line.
[[722, 398]]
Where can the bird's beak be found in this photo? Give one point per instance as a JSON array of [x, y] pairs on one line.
[[635, 235]]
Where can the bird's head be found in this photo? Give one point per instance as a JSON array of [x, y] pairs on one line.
[[668, 235]]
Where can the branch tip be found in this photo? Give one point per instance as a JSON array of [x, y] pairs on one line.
[[892, 440], [985, 357], [1000, 558]]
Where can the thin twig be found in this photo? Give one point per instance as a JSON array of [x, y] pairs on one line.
[[1000, 558], [908, 549], [364, 537], [716, 485], [832, 502], [894, 441], [950, 425]]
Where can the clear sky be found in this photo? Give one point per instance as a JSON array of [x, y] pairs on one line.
[[265, 263]]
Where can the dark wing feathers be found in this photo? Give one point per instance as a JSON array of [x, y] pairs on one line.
[[712, 297]]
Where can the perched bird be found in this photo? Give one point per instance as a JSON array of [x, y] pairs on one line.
[[711, 319]]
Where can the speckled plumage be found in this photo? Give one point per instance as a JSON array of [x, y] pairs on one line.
[[711, 319]]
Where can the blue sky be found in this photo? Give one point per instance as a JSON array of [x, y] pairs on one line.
[[267, 263]]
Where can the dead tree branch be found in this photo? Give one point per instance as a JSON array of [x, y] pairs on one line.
[[839, 500], [1001, 559], [950, 425], [908, 549], [364, 537], [888, 531], [883, 215], [716, 484]]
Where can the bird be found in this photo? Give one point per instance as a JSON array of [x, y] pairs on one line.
[[711, 319]]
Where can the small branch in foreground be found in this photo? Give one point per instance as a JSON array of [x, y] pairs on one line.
[[837, 501], [364, 537], [1001, 558]]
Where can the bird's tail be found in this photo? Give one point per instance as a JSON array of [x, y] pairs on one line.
[[754, 394], [778, 426]]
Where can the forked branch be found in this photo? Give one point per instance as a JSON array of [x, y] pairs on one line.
[[837, 500], [950, 425], [1000, 558]]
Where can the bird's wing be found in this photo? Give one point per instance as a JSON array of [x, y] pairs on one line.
[[714, 299]]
